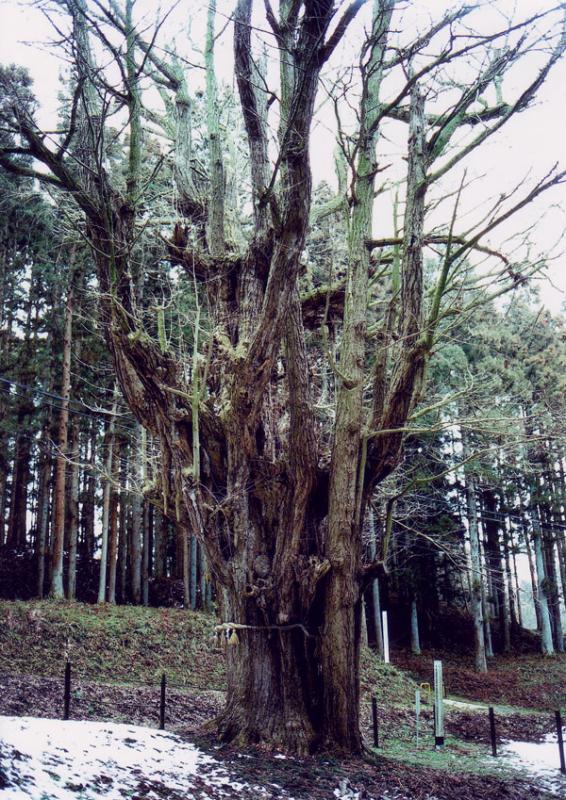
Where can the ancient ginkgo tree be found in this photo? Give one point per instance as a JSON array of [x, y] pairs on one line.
[[276, 490]]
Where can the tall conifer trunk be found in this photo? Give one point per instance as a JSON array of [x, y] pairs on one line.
[[58, 541], [73, 509], [43, 503], [476, 577], [113, 519], [106, 502], [89, 496], [136, 546]]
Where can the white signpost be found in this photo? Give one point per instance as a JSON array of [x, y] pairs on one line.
[[385, 630], [438, 705]]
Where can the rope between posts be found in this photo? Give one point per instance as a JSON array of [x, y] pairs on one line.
[[125, 683]]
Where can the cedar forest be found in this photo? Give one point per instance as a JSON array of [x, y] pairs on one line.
[[227, 386]]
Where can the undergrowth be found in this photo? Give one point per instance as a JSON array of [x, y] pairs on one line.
[[107, 643], [132, 644]]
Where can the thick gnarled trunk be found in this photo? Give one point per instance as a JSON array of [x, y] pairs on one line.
[[293, 671], [273, 692]]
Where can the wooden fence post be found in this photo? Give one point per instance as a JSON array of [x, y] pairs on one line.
[[67, 691], [374, 720], [560, 740], [492, 733], [162, 704]]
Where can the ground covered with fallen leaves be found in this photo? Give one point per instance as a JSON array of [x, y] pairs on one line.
[[253, 774], [64, 760], [526, 680]]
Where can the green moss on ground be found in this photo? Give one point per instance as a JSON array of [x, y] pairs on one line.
[[132, 644], [390, 685], [456, 754], [106, 643], [455, 758]]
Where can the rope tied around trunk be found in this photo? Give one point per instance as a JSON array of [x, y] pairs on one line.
[[228, 630]]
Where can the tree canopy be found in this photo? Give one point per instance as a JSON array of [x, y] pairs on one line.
[[283, 345]]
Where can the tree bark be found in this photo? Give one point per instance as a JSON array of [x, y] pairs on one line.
[[89, 496], [136, 548], [552, 590], [496, 571], [73, 516], [58, 542], [161, 536], [547, 647], [532, 572], [476, 577], [113, 521], [347, 497], [186, 569], [43, 504], [510, 599], [415, 638], [147, 548], [106, 496], [123, 524], [193, 556], [17, 520]]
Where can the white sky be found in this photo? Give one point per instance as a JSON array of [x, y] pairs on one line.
[[530, 144]]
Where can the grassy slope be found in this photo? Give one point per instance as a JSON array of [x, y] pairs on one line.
[[127, 644], [122, 644]]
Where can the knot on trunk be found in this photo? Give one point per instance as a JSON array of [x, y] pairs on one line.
[[262, 566]]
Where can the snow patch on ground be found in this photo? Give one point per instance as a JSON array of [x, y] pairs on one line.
[[464, 705], [48, 759], [344, 791], [540, 760]]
